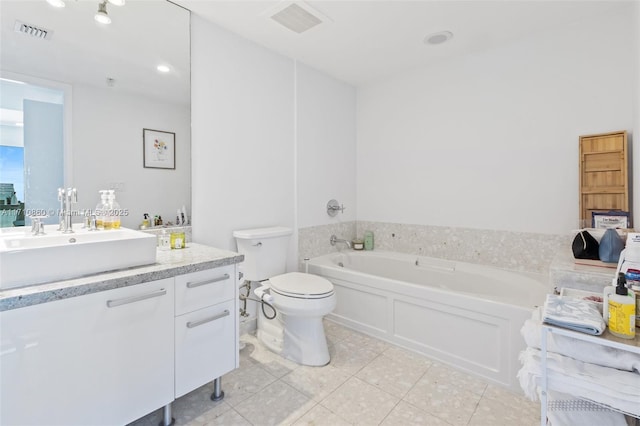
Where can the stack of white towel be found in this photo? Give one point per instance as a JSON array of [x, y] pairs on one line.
[[583, 371]]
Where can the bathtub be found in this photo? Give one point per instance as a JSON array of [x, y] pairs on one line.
[[465, 315]]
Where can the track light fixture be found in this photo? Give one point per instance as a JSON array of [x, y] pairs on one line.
[[101, 16]]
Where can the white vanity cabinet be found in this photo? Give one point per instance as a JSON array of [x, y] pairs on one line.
[[102, 358], [111, 348], [206, 334]]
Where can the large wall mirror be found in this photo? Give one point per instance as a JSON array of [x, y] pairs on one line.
[[75, 97]]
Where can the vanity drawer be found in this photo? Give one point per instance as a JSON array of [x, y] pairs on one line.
[[205, 346], [204, 288]]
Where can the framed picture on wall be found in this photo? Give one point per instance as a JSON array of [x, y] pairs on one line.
[[159, 149]]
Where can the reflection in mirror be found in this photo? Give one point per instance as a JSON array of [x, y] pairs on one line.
[[92, 89], [32, 151]]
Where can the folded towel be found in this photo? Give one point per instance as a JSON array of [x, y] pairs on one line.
[[574, 314], [615, 388], [590, 352]]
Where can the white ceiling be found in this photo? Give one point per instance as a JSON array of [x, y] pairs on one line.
[[369, 40], [362, 41]]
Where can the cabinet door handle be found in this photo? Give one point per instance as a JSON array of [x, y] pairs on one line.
[[192, 324], [126, 300], [211, 281]]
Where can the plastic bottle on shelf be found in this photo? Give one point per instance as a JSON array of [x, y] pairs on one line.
[[620, 309], [636, 289], [101, 209]]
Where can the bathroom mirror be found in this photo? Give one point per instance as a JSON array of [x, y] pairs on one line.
[[108, 88]]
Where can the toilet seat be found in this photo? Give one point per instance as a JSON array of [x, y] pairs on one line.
[[301, 286]]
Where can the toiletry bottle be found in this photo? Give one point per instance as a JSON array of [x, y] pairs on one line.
[[620, 308], [177, 240], [368, 240], [636, 290], [113, 212], [164, 242], [101, 209], [145, 221]]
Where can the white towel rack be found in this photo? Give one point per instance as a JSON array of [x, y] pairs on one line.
[[605, 339]]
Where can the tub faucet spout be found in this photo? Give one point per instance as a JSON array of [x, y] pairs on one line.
[[335, 240]]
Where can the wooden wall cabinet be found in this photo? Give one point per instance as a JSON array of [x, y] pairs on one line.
[[604, 177]]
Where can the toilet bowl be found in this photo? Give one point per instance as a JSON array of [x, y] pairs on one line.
[[297, 333], [300, 300]]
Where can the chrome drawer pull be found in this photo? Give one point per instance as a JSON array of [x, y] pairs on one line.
[[192, 324], [126, 300], [211, 281]]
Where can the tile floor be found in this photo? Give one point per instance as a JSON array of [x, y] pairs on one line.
[[368, 382]]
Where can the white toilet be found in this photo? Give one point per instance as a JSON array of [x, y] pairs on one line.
[[300, 300]]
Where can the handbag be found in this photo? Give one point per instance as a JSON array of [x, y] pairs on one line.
[[610, 246], [585, 246]]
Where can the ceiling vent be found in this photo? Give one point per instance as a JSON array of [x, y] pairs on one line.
[[297, 17], [33, 31]]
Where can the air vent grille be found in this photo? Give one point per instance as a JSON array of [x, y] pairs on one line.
[[33, 31], [296, 18]]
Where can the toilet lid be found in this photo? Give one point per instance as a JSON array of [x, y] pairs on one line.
[[297, 284]]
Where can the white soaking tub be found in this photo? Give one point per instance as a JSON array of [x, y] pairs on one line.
[[462, 314]]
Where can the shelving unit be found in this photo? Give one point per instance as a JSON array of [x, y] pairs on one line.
[[605, 339], [604, 181]]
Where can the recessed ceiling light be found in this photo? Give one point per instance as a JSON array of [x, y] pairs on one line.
[[163, 68], [19, 124], [117, 2], [438, 38]]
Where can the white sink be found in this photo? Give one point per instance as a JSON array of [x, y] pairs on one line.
[[27, 259]]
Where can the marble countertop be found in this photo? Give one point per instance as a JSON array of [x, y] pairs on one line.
[[169, 263]]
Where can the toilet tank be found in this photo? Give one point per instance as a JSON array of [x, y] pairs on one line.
[[264, 250]]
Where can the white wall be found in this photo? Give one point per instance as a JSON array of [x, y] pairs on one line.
[[107, 148], [242, 98], [326, 157], [490, 140]]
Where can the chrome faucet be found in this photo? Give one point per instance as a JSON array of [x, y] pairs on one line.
[[335, 240], [67, 198]]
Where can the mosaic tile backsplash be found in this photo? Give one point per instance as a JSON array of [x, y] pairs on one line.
[[518, 251], [314, 241]]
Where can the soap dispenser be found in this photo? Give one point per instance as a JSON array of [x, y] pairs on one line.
[[114, 211], [101, 209]]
